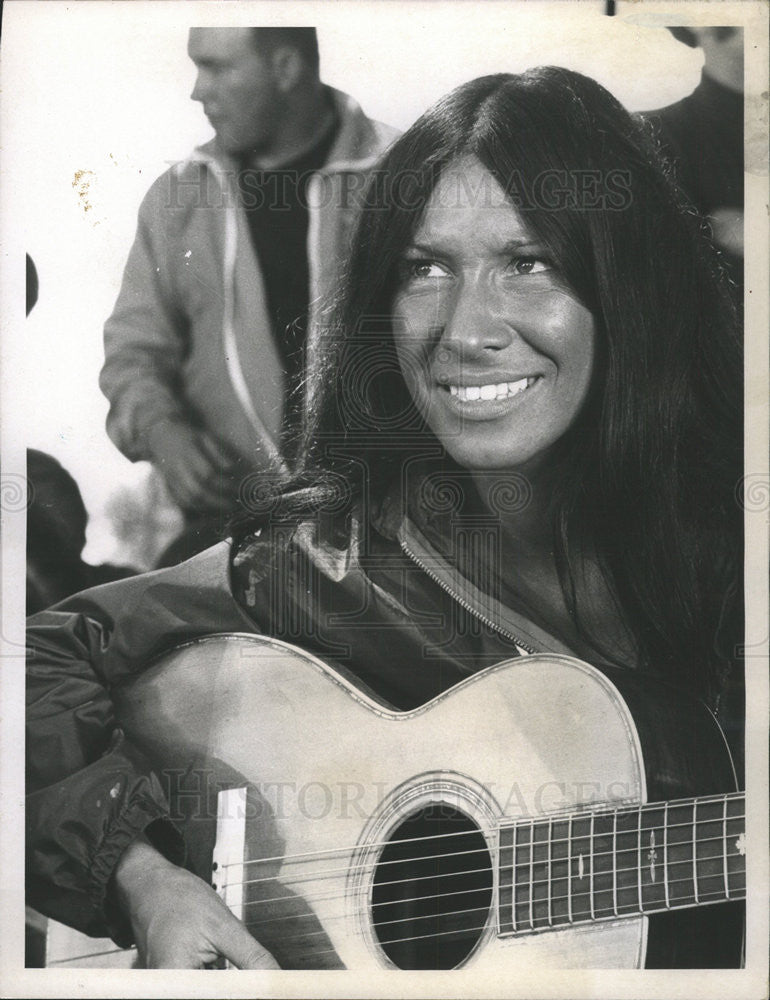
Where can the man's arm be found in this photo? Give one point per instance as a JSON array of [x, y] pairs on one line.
[[145, 338], [145, 343]]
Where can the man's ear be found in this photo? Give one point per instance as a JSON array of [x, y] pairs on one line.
[[287, 66]]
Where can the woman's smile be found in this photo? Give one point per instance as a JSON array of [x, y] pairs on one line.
[[487, 400]]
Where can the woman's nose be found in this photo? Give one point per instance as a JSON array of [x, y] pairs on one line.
[[476, 320]]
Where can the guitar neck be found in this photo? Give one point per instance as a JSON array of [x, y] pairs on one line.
[[605, 864]]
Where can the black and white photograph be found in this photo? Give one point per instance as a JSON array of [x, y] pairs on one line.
[[385, 456]]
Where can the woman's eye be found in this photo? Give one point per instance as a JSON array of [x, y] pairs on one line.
[[422, 269], [529, 265]]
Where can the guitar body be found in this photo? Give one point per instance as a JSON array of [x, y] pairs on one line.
[[329, 787]]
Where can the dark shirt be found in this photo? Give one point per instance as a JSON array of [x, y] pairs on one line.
[[703, 134], [276, 207]]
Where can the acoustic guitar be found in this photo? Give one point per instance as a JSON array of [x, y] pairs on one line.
[[510, 824]]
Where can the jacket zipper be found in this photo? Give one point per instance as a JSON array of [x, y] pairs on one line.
[[463, 603]]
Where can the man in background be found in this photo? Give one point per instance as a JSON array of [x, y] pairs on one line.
[[703, 136], [236, 248]]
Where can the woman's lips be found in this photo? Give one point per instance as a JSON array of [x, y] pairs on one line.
[[489, 399]]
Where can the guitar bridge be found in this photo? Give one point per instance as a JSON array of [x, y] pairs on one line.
[[228, 870]]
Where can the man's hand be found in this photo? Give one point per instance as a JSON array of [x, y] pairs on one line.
[[190, 461], [178, 921]]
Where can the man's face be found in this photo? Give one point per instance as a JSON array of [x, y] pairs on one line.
[[236, 87]]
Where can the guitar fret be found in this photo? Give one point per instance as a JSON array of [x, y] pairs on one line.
[[627, 863], [680, 870], [522, 878], [569, 872], [639, 858], [541, 875], [550, 872], [604, 863], [615, 863], [531, 874], [694, 849], [652, 841], [506, 893], [736, 846], [582, 867], [592, 855], [560, 873], [709, 835], [724, 847], [665, 855]]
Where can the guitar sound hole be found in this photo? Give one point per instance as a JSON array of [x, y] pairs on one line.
[[431, 897]]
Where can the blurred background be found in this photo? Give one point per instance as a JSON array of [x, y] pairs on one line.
[[100, 106]]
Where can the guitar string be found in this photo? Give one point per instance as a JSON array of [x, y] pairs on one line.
[[531, 886], [402, 881], [539, 922], [539, 919], [473, 929], [302, 857], [307, 934], [326, 873], [595, 855], [313, 855], [520, 885], [318, 898], [478, 929], [428, 916], [539, 862]]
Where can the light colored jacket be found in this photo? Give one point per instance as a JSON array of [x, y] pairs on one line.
[[190, 337]]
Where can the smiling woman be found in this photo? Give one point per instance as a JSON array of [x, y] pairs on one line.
[[497, 352], [627, 435], [522, 447]]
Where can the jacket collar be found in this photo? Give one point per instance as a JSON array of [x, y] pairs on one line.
[[427, 534], [357, 142]]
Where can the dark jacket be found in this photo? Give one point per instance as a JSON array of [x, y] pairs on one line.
[[396, 600], [385, 599]]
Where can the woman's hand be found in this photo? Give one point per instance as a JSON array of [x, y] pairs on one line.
[[178, 921]]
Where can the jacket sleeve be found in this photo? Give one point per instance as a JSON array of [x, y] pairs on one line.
[[145, 338], [89, 791]]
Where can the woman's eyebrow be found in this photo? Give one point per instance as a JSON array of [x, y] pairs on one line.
[[514, 245], [424, 248], [520, 243]]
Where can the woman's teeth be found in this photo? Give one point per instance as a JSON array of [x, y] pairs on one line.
[[501, 390]]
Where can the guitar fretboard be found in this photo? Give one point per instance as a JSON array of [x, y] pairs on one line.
[[603, 864]]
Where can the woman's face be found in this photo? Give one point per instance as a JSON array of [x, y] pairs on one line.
[[496, 350]]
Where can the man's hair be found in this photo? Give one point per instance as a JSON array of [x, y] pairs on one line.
[[304, 40], [685, 35], [689, 37]]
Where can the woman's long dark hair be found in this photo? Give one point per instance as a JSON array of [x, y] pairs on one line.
[[650, 470]]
